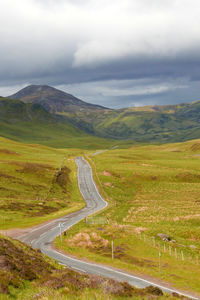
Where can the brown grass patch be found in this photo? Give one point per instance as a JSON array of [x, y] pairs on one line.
[[107, 183], [89, 241], [62, 178], [4, 175], [106, 173], [195, 147], [188, 177], [28, 265], [32, 167], [29, 209], [142, 177], [133, 213], [188, 217], [9, 152], [139, 230]]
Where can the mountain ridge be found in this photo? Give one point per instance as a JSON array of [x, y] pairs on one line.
[[169, 123], [155, 124], [53, 100]]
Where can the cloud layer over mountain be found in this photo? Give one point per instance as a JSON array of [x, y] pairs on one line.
[[115, 52]]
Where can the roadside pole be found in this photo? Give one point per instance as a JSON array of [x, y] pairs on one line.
[[112, 250], [60, 225], [160, 262]]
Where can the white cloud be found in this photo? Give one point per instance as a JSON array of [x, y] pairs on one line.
[[140, 29], [56, 41], [44, 34]]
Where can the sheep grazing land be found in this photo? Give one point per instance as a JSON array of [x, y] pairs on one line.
[[153, 196], [37, 183], [154, 206]]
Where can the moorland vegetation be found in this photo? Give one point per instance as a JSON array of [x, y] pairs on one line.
[[151, 190]]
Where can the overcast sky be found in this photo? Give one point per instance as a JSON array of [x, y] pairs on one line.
[[116, 53]]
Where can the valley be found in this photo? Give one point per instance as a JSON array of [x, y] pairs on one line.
[[151, 187], [99, 150], [24, 206], [72, 117]]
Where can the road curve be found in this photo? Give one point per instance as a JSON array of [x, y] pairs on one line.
[[43, 236]]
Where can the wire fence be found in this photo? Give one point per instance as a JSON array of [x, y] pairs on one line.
[[179, 252]]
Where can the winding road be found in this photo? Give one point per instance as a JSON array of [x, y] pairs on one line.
[[43, 236]]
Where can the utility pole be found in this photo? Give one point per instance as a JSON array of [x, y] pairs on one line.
[[60, 225], [112, 250], [160, 262]]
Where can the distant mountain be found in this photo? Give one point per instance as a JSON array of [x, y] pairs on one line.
[[159, 124], [53, 100], [171, 123]]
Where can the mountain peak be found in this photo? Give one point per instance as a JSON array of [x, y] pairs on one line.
[[53, 100], [37, 87]]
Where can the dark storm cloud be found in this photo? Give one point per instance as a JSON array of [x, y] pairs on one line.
[[116, 53]]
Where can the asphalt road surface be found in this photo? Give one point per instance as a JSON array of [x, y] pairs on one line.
[[44, 235]]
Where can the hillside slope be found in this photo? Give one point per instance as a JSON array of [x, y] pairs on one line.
[[36, 184], [144, 124], [31, 123], [27, 274]]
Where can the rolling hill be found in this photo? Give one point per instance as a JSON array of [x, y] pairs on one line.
[[31, 123], [157, 124], [172, 123]]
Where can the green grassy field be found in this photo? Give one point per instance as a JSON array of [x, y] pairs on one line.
[[37, 183], [150, 190], [51, 135]]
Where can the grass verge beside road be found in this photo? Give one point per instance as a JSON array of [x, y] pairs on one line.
[[151, 190], [37, 183]]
